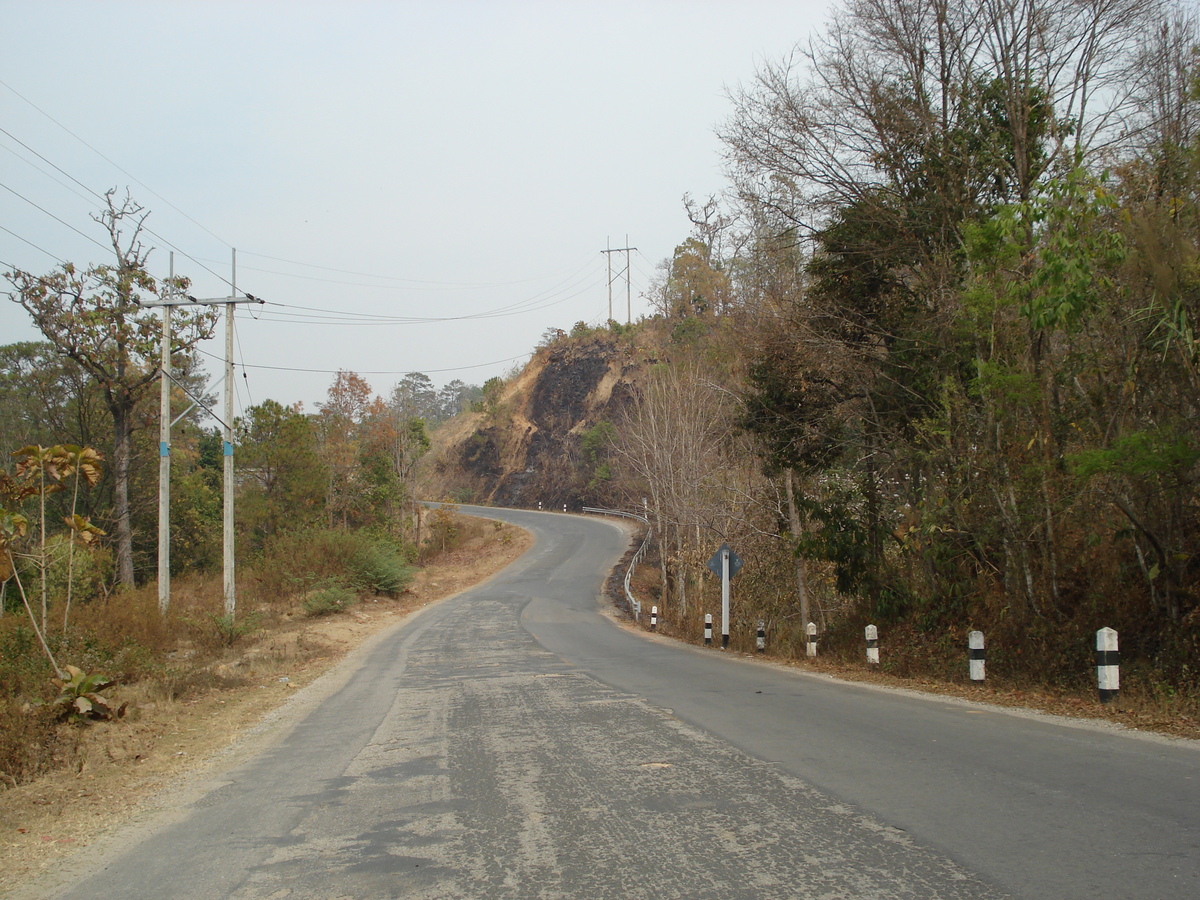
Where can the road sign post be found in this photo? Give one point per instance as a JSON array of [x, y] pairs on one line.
[[725, 564]]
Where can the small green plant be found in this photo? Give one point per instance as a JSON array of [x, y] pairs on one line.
[[329, 599], [231, 630], [443, 529], [505, 534], [80, 698]]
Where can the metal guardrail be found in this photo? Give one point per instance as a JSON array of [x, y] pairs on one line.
[[634, 603]]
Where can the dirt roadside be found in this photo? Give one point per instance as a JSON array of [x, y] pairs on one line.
[[139, 766]]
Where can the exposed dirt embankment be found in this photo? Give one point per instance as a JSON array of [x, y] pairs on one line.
[[526, 448]]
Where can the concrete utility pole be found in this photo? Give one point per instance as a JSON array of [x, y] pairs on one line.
[[628, 288], [164, 457], [164, 452]]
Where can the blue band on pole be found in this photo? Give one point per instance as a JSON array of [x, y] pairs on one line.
[[227, 448], [164, 449]]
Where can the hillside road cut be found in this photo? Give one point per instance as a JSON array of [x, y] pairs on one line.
[[515, 742]]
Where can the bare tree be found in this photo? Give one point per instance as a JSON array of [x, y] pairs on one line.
[[673, 443], [955, 101]]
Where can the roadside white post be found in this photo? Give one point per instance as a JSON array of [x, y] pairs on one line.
[[872, 635], [564, 507], [724, 598], [654, 618], [724, 564], [812, 639], [977, 654], [707, 629], [761, 643], [1108, 665]]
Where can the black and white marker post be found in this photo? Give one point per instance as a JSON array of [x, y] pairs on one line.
[[654, 618], [760, 643], [707, 629], [872, 637], [812, 640], [977, 655], [1108, 665]]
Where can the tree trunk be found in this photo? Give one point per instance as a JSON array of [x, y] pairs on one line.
[[121, 452], [794, 525]]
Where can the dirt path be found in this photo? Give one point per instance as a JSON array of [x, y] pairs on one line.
[[134, 769]]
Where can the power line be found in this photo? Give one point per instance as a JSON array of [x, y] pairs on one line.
[[51, 164], [115, 165], [409, 284], [327, 316], [54, 217], [382, 372], [31, 244], [93, 194], [445, 284], [529, 304]]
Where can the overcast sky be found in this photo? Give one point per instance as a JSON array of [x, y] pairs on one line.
[[375, 164]]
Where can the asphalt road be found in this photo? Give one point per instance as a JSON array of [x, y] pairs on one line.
[[513, 742]]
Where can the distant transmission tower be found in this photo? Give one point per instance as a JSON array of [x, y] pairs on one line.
[[628, 289]]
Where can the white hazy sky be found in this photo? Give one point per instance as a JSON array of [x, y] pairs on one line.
[[376, 164]]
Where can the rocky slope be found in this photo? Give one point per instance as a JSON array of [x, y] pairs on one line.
[[526, 446]]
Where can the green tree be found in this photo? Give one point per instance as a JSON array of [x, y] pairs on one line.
[[415, 396], [93, 318], [46, 397], [455, 397], [284, 480]]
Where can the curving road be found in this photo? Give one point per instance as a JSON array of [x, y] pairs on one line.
[[513, 742]]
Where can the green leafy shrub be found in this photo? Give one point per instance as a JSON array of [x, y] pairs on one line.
[[80, 698], [380, 567], [329, 599], [230, 630], [24, 670], [90, 569]]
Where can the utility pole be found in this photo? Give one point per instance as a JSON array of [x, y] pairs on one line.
[[164, 467], [227, 450], [628, 289], [164, 455]]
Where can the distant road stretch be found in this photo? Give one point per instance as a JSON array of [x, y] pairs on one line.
[[512, 742]]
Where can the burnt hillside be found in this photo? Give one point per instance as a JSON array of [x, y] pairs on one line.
[[526, 446]]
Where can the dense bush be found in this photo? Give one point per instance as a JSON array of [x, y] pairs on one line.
[[296, 562], [380, 567]]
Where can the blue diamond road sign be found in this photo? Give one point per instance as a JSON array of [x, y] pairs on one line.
[[735, 562]]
